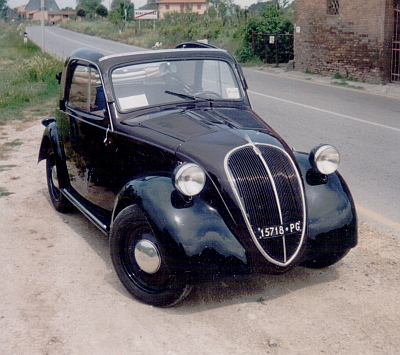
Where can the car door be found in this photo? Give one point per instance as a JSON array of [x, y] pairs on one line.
[[86, 133]]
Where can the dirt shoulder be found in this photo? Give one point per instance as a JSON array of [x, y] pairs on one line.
[[60, 295]]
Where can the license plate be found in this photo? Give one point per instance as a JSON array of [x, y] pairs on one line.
[[279, 230]]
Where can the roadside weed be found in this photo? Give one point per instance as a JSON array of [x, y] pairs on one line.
[[27, 77]]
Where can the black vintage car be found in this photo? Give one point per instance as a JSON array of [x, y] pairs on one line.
[[162, 151]]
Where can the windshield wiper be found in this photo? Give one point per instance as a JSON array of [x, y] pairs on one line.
[[186, 96], [182, 96]]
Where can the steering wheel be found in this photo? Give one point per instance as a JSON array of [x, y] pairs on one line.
[[208, 95]]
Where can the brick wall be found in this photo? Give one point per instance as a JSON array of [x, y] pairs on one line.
[[355, 43]]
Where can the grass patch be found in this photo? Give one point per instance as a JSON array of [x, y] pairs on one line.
[[338, 76], [341, 77], [344, 83], [340, 83], [27, 77], [14, 143], [6, 167], [7, 147], [4, 192], [146, 36]]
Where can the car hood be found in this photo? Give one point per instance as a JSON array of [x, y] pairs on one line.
[[201, 134], [207, 135]]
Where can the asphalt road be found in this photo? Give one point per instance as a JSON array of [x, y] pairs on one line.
[[61, 42], [364, 127]]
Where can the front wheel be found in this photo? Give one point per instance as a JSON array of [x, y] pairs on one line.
[[325, 260], [59, 201], [139, 261]]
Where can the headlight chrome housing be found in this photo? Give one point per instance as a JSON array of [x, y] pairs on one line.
[[189, 179], [325, 158]]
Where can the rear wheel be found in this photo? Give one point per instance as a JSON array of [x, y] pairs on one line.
[[139, 261], [59, 201], [325, 260]]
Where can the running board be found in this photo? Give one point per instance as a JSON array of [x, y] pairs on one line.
[[97, 222]]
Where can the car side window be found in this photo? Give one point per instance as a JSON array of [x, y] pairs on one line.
[[86, 92]]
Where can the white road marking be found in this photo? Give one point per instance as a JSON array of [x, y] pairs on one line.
[[325, 111]]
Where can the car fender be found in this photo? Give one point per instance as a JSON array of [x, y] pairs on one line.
[[51, 142], [332, 218], [50, 139], [197, 231]]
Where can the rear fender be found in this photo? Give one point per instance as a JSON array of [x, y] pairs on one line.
[[51, 142], [50, 139]]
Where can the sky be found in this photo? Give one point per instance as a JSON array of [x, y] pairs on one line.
[[138, 3]]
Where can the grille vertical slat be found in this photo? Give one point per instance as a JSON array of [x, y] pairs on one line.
[[259, 181], [286, 182], [250, 177]]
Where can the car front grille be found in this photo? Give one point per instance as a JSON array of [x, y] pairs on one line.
[[270, 194]]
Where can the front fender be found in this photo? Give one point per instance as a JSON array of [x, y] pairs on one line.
[[206, 245], [332, 218]]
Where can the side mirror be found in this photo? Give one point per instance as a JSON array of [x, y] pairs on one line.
[[58, 77]]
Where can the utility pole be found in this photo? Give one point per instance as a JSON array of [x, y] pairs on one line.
[[42, 22]]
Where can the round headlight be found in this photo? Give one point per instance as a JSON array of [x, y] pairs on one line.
[[189, 179], [325, 158]]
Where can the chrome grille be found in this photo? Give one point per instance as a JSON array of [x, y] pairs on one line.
[[269, 191]]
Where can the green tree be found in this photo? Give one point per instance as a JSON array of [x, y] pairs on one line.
[[115, 4], [122, 14], [284, 6], [3, 7], [89, 6], [151, 5], [81, 13], [221, 7], [272, 21], [101, 11]]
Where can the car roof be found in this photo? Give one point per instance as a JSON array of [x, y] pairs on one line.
[[106, 62]]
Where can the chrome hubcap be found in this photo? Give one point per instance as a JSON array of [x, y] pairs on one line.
[[147, 256], [54, 177]]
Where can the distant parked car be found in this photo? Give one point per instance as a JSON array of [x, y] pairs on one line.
[[162, 151]]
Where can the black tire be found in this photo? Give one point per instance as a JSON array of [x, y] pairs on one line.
[[157, 287], [325, 260], [59, 201]]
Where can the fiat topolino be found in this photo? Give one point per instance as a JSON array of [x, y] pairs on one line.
[[162, 151]]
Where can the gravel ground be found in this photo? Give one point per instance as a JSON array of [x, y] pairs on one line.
[[60, 295]]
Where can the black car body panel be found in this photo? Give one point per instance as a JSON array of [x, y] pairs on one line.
[[263, 208]]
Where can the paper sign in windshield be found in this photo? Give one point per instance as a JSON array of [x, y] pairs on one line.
[[233, 93], [129, 102]]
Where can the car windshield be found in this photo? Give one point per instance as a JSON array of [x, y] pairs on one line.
[[158, 83]]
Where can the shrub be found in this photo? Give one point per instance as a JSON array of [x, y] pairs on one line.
[[271, 22], [27, 78], [42, 69]]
